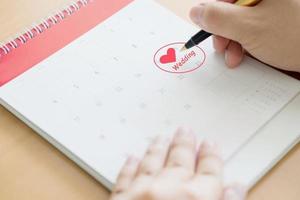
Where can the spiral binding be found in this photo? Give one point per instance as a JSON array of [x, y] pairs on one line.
[[40, 27]]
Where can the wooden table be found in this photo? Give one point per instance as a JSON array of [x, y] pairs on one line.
[[30, 168]]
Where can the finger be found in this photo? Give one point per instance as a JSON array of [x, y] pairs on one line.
[[236, 192], [155, 157], [119, 197], [224, 19], [228, 1], [220, 43], [182, 152], [208, 181], [126, 176], [234, 54], [205, 1], [209, 161]]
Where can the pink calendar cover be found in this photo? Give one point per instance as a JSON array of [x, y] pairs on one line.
[[54, 33]]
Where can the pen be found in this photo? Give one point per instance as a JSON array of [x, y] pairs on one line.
[[203, 35]]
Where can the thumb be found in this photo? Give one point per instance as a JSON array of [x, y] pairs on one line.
[[223, 19]]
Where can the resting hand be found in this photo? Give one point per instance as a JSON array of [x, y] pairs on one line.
[[175, 171]]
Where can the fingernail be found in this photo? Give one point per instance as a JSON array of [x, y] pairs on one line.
[[226, 55], [227, 59], [197, 14], [185, 132], [132, 160], [235, 193], [181, 131], [210, 147]]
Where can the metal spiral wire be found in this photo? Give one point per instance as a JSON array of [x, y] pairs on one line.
[[38, 28]]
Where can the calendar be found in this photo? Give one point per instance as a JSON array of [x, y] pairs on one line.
[[108, 93]]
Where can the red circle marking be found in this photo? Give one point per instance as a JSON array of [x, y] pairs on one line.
[[182, 72]]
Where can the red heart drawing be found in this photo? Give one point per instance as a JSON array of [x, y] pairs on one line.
[[170, 57]]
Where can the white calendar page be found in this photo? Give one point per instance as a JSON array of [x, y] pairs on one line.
[[102, 97]]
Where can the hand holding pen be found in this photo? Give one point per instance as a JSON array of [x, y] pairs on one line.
[[202, 35], [269, 31]]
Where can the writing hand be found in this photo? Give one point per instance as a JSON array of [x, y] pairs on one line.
[[268, 31]]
